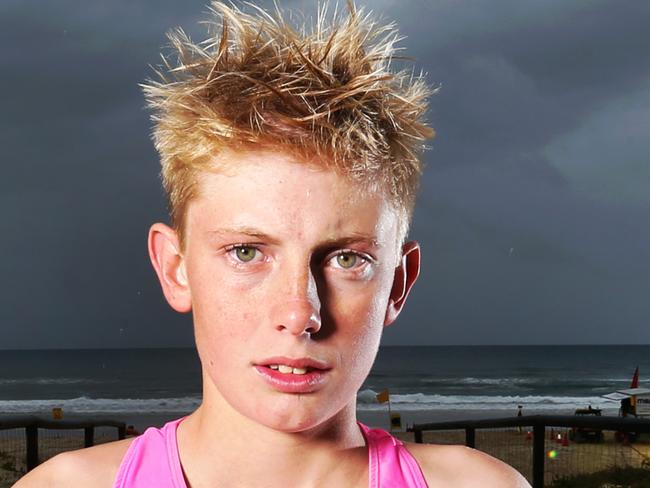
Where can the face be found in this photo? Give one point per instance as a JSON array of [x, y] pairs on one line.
[[289, 272]]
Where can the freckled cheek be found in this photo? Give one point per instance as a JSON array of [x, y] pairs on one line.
[[223, 337], [359, 308], [224, 314]]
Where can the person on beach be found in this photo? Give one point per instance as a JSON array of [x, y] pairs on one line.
[[291, 160]]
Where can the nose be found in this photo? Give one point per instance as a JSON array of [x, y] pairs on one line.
[[297, 310], [298, 317]]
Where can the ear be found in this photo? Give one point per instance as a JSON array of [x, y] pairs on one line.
[[405, 275], [169, 263]]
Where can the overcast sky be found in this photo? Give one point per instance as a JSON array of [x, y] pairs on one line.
[[534, 216]]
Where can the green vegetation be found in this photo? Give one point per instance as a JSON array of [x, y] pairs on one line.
[[610, 478]]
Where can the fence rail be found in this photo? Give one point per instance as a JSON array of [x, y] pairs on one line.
[[538, 424], [31, 424]]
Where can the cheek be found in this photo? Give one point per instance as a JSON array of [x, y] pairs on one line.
[[359, 319], [223, 319], [363, 303], [216, 296]]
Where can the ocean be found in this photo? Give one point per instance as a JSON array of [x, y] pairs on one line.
[[543, 379]]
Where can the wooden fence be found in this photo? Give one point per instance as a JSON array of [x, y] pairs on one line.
[[538, 424], [32, 424]]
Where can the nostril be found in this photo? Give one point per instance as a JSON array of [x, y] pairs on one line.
[[313, 329], [298, 317]]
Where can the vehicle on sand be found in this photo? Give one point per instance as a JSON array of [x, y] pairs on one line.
[[586, 434]]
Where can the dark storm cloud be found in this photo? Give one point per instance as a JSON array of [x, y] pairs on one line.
[[80, 183], [514, 75], [531, 230], [534, 204]]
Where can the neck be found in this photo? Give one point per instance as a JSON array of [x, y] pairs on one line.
[[219, 446]]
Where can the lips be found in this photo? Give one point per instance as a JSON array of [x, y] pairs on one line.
[[283, 368], [287, 375]]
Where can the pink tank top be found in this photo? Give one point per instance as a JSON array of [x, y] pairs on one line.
[[152, 460]]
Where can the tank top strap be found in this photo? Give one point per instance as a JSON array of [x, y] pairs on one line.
[[152, 460], [390, 464]]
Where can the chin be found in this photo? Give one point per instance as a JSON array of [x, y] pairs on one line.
[[289, 423], [294, 418]]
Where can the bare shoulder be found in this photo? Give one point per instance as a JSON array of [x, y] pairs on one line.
[[95, 466], [460, 466]]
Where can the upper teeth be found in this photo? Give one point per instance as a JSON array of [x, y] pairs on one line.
[[282, 368]]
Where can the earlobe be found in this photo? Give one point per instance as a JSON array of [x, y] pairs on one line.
[[406, 273], [169, 264]]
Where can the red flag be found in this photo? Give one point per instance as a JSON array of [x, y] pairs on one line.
[[383, 396], [635, 378]]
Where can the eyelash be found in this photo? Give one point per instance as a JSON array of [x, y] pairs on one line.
[[362, 257], [364, 260], [231, 250]]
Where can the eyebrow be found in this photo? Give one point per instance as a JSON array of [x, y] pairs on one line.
[[353, 239], [243, 230], [252, 232]]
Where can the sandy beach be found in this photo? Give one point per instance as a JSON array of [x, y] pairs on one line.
[[510, 445], [516, 448]]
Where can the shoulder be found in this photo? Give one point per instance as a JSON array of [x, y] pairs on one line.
[[95, 466], [460, 466]]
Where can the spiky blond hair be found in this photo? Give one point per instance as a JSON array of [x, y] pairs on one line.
[[326, 93]]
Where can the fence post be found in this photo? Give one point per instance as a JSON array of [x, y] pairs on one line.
[[418, 436], [31, 435], [89, 436], [539, 430], [470, 437]]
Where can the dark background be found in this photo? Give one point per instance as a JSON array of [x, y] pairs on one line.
[[534, 209]]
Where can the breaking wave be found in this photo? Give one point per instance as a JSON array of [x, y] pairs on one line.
[[103, 405], [366, 400]]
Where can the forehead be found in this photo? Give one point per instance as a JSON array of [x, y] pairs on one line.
[[276, 192]]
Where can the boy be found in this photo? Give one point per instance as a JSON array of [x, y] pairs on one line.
[[291, 162]]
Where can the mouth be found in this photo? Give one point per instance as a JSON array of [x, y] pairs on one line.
[[285, 369], [304, 375]]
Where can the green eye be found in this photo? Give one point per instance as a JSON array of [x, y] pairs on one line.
[[346, 261], [245, 254]]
